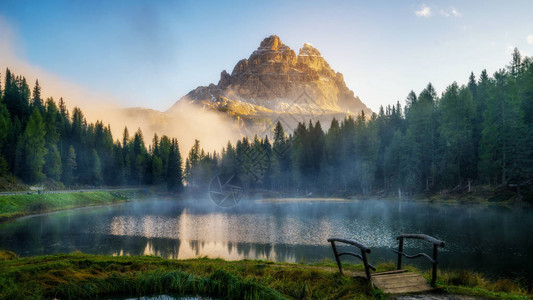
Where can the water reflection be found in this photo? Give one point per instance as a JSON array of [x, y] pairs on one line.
[[254, 227], [487, 239]]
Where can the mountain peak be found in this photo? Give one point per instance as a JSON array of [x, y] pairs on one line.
[[309, 50], [273, 78], [272, 42]]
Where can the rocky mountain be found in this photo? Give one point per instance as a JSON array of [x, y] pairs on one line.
[[274, 82]]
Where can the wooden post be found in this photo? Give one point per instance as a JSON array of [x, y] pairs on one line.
[[336, 256], [365, 263], [400, 251], [434, 275]]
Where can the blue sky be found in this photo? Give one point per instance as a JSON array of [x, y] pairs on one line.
[[150, 53]]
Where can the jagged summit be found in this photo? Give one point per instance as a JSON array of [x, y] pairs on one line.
[[273, 43], [309, 50], [273, 78]]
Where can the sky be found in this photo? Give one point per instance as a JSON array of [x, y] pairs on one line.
[[151, 53]]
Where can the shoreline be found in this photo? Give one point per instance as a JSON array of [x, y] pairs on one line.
[[25, 205], [38, 204]]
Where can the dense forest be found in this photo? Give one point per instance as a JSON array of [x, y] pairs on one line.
[[479, 133], [41, 142]]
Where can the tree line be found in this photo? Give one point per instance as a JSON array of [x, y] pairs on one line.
[[42, 142], [479, 133]]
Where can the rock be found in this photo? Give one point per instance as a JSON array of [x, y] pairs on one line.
[[274, 78], [225, 80]]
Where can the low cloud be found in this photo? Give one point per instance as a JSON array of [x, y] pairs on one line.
[[186, 123], [530, 39], [424, 11]]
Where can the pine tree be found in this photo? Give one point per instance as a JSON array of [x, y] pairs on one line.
[[422, 138], [333, 153], [456, 130], [396, 164], [34, 149], [70, 167], [16, 96], [36, 101], [117, 171], [192, 164], [157, 169], [515, 68], [96, 177], [52, 166], [174, 172], [5, 124]]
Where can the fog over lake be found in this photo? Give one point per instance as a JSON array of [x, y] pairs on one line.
[[490, 239]]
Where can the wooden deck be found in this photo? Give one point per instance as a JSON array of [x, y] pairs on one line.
[[400, 282]]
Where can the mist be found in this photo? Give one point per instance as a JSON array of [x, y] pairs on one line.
[[186, 122]]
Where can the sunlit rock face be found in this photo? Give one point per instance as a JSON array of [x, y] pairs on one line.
[[275, 80]]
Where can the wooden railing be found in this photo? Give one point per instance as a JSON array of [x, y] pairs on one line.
[[364, 250], [436, 244]]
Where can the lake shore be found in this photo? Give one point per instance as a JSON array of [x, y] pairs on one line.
[[14, 206], [80, 275]]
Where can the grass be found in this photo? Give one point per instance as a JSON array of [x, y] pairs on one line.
[[11, 183], [78, 276], [470, 283], [482, 194], [19, 205]]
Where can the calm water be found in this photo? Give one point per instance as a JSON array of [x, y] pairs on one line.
[[490, 239]]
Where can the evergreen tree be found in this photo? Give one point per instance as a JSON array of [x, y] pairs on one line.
[[192, 164], [52, 166], [34, 149], [36, 101], [70, 167], [456, 130], [157, 170], [421, 136], [96, 177], [174, 172], [16, 96], [333, 153], [5, 124]]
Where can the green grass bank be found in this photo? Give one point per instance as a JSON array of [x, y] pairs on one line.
[[84, 276], [13, 206]]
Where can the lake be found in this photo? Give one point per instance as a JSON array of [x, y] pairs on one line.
[[495, 240]]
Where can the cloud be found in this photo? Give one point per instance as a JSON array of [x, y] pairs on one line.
[[455, 12], [530, 39], [509, 49], [424, 11], [452, 12]]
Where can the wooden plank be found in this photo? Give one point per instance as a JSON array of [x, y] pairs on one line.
[[400, 282], [408, 274], [389, 272], [410, 289], [396, 278], [399, 279]]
